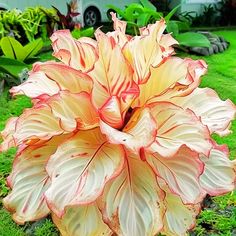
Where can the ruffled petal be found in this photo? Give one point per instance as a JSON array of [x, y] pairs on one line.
[[219, 175], [206, 104], [75, 111], [141, 56], [80, 168], [177, 127], [7, 135], [112, 78], [36, 123], [37, 85], [180, 172], [179, 217], [140, 131], [175, 77], [82, 220], [130, 203], [29, 181], [79, 54]]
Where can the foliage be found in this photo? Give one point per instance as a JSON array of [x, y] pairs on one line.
[[139, 15], [101, 134], [12, 68], [83, 32], [67, 21], [14, 50], [27, 25]]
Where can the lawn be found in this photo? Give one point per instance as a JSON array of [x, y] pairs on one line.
[[218, 217]]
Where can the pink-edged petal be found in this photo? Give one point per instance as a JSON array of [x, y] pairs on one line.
[[214, 113], [175, 77], [118, 35], [179, 217], [112, 78], [110, 113], [145, 51], [29, 180], [66, 77], [219, 175], [7, 134], [138, 133], [130, 203], [180, 172], [80, 168], [79, 54], [38, 84], [75, 111], [36, 123], [177, 127], [166, 42], [82, 220]]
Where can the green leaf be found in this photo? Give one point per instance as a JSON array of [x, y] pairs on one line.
[[89, 32], [117, 10], [171, 13], [148, 5], [132, 11], [143, 19], [172, 27], [11, 66], [12, 48], [33, 48], [191, 39]]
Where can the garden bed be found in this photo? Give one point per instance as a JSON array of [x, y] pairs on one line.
[[218, 217]]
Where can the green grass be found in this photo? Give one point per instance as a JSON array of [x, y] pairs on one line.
[[218, 219]]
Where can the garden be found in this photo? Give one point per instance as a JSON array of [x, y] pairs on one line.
[[65, 86]]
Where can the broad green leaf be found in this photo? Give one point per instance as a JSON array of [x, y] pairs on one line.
[[89, 32], [171, 13], [192, 39], [12, 48], [143, 19], [172, 27], [148, 5], [133, 10], [12, 66], [32, 48]]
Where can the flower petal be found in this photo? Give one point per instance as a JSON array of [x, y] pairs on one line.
[[82, 220], [112, 78], [38, 84], [178, 217], [141, 56], [180, 172], [130, 203], [219, 175], [110, 113], [138, 133], [214, 113], [175, 77], [177, 127], [66, 77], [79, 54], [7, 135], [80, 168], [29, 180], [37, 123], [75, 111]]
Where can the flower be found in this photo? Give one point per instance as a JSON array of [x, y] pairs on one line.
[[119, 137]]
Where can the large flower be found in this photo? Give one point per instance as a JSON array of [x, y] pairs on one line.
[[119, 137]]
